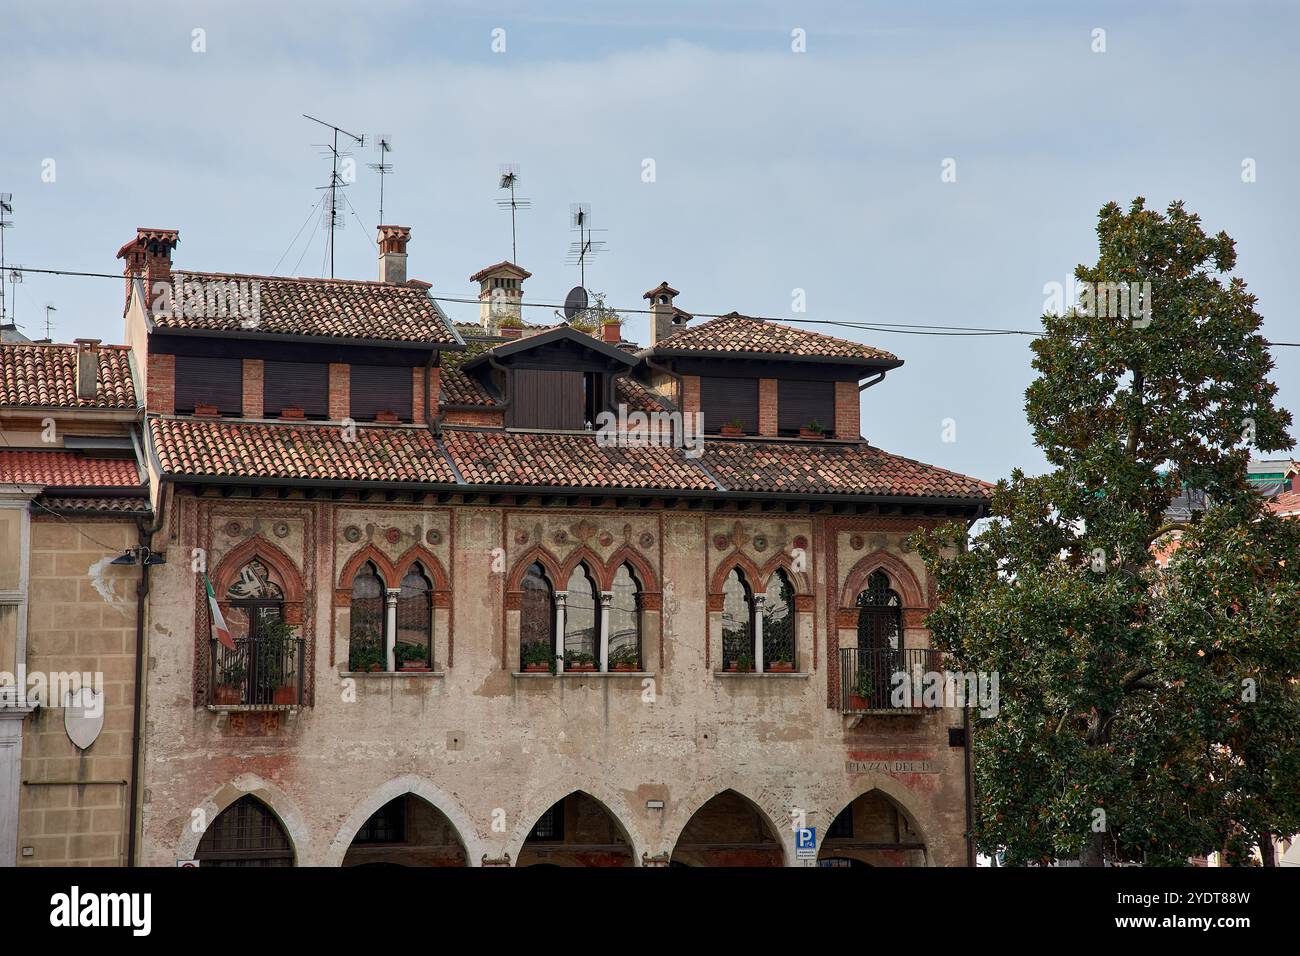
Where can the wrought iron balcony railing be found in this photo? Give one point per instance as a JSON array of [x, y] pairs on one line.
[[257, 673], [872, 679]]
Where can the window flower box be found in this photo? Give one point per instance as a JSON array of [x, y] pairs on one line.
[[284, 695], [416, 666], [810, 434], [624, 667], [386, 416], [226, 694], [579, 668], [779, 667], [736, 667], [204, 410], [733, 429], [537, 668], [292, 411]]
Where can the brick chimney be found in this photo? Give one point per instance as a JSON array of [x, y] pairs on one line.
[[149, 256], [392, 252], [500, 292], [87, 369], [665, 318]]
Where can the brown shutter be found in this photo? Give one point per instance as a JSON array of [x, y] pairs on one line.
[[304, 385], [379, 388], [212, 381], [546, 398], [799, 402], [724, 399]]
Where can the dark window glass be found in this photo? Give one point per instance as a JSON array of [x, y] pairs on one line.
[[580, 615], [304, 385], [724, 401], [801, 403], [415, 618], [380, 388], [778, 621], [210, 381], [737, 619], [625, 619], [366, 640], [537, 617], [386, 825], [841, 826], [550, 825]]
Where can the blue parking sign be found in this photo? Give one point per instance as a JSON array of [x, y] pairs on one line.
[[805, 843]]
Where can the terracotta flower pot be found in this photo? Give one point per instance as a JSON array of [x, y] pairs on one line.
[[537, 668], [292, 412], [386, 416], [732, 430], [415, 665], [779, 667], [578, 668], [859, 703], [624, 668], [285, 695], [227, 694], [809, 433]]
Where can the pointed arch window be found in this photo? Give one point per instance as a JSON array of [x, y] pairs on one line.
[[880, 616], [624, 643], [367, 649], [779, 624], [414, 647], [246, 833], [581, 619], [537, 618], [738, 622]]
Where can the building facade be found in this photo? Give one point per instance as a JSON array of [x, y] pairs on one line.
[[507, 594]]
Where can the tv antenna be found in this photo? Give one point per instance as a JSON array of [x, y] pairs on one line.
[[335, 179], [383, 143], [509, 180], [15, 278], [585, 248], [49, 323], [6, 210]]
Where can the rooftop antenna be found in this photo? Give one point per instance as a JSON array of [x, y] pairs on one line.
[[49, 324], [6, 210], [15, 277], [585, 248], [335, 179], [383, 143], [509, 180]]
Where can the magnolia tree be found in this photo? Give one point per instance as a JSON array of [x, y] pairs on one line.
[[1146, 713]]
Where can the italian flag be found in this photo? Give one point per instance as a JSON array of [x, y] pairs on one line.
[[218, 622]]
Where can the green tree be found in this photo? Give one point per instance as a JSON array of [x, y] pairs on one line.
[[1090, 754]]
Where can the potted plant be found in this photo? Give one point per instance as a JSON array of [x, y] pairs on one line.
[[814, 429], [364, 655], [578, 661], [276, 660], [230, 683], [733, 427], [412, 657], [742, 664], [860, 695], [538, 659], [625, 659], [780, 664]]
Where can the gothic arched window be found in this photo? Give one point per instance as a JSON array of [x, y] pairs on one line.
[[737, 622], [415, 619], [537, 618], [367, 649], [625, 619]]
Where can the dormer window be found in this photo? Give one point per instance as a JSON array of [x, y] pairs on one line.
[[296, 389], [207, 380], [374, 390], [801, 403], [724, 401]]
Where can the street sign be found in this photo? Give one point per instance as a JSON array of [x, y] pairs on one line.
[[805, 843]]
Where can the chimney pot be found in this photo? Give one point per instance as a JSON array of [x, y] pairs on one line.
[[149, 257], [663, 314], [611, 332], [87, 369], [392, 252]]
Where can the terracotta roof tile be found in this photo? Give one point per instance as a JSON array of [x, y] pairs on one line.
[[568, 461], [322, 307], [67, 469], [741, 334], [46, 375], [832, 468], [196, 447], [637, 397], [1287, 504], [123, 504]]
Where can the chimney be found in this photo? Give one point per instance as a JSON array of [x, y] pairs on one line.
[[87, 369], [665, 318], [392, 252], [148, 256], [500, 292]]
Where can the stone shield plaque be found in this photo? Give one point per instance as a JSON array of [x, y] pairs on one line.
[[83, 716]]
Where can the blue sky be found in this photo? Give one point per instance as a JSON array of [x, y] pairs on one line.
[[774, 170]]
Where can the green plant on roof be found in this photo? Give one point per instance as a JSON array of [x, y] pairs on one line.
[[816, 427], [510, 322]]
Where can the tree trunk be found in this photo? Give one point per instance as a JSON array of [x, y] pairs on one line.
[[1266, 850], [1094, 854]]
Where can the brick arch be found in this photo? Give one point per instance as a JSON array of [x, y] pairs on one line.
[[900, 576], [737, 560], [545, 559], [432, 566], [275, 559], [645, 574], [802, 586], [584, 555], [387, 573]]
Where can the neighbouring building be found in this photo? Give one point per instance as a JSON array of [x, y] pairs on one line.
[[73, 503], [491, 597]]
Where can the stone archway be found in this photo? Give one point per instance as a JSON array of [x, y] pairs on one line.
[[406, 831], [577, 830], [873, 829], [728, 830]]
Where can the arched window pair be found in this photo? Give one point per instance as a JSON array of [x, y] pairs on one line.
[[391, 630], [758, 635], [588, 637]]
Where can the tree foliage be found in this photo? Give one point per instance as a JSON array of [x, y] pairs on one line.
[[1122, 732]]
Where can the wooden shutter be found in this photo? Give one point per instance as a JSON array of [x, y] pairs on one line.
[[304, 385], [378, 388], [546, 398], [212, 381], [724, 399], [800, 402]]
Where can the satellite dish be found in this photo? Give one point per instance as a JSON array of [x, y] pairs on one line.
[[575, 301]]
